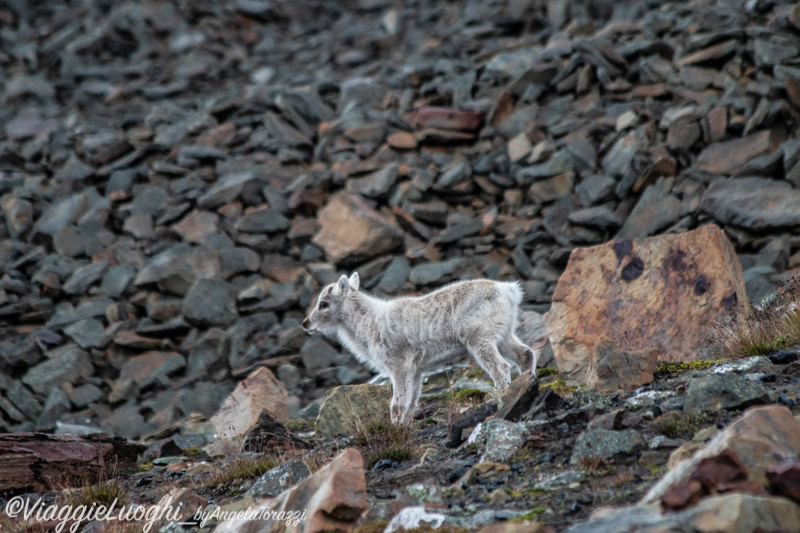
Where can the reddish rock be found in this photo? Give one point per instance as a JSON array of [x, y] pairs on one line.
[[197, 226], [303, 228], [184, 501], [130, 339], [440, 136], [730, 156], [614, 370], [793, 90], [716, 123], [281, 268], [784, 478], [760, 436], [18, 214], [145, 370], [713, 475], [330, 500], [447, 119], [38, 462], [662, 292], [239, 413], [708, 54], [402, 140], [351, 229], [268, 434]]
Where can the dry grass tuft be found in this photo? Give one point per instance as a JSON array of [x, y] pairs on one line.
[[108, 489], [240, 469], [379, 439], [17, 524], [621, 478], [103, 493], [314, 459], [231, 474], [680, 424], [773, 325], [592, 464]]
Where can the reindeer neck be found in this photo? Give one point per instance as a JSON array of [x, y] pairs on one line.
[[358, 331], [363, 310]]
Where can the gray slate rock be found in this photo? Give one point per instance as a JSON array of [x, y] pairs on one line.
[[67, 315], [461, 230], [559, 163], [503, 440], [619, 158], [23, 399], [262, 221], [376, 184], [428, 273], [175, 269], [85, 394], [55, 406], [65, 365], [211, 302], [226, 189], [605, 444], [595, 189], [318, 354], [205, 397], [206, 353], [65, 211], [753, 203], [74, 170], [88, 333], [126, 422], [80, 280], [723, 391], [116, 280], [599, 216], [279, 479], [150, 200], [655, 210], [396, 275]]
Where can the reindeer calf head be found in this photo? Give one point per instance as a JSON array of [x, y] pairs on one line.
[[327, 314]]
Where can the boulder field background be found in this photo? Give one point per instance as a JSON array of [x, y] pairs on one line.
[[178, 179]]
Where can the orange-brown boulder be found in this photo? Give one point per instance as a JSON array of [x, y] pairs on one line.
[[665, 292], [351, 229], [331, 500], [260, 391]]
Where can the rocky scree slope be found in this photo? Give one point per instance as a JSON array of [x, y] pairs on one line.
[[178, 179]]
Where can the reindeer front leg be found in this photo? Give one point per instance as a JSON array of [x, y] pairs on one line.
[[406, 387], [413, 388], [399, 398]]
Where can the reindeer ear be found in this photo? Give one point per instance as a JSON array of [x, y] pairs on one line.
[[354, 281], [342, 285]]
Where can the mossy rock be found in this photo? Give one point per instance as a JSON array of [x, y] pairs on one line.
[[723, 391], [343, 407]]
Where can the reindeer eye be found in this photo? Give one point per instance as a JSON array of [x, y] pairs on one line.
[[323, 305]]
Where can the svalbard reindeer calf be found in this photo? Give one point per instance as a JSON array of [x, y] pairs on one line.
[[407, 336]]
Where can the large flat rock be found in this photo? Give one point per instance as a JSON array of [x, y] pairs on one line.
[[663, 292], [753, 203]]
